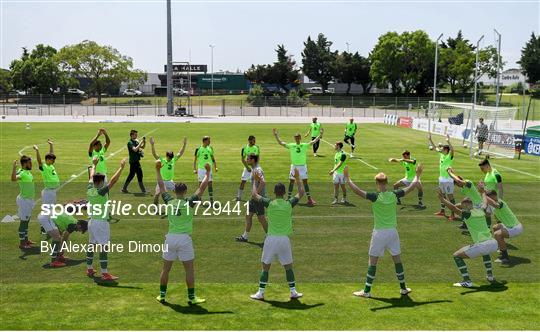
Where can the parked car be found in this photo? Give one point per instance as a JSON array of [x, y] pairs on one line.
[[180, 92], [315, 90], [131, 92], [20, 92], [76, 92]]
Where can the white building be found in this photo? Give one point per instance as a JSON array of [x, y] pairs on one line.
[[508, 77]]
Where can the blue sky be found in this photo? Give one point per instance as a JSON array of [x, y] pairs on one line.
[[247, 32]]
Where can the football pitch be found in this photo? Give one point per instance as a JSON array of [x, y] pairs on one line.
[[330, 243]]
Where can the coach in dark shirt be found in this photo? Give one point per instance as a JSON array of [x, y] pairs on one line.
[[135, 150]]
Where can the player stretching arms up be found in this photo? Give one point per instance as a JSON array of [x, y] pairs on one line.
[[204, 154], [340, 162], [410, 172], [298, 153], [315, 131], [385, 235], [483, 245], [255, 207], [179, 245], [25, 199], [508, 228], [277, 244], [250, 148], [51, 182], [96, 149], [167, 166], [350, 131], [98, 226], [446, 183]]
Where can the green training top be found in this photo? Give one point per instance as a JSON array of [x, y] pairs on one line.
[[247, 150], [505, 215], [340, 156], [477, 225], [178, 213], [491, 179], [279, 213], [49, 175], [315, 129], [384, 208], [26, 183], [350, 129], [446, 160], [167, 168], [65, 222], [410, 169], [298, 153], [101, 166], [97, 198], [469, 190], [204, 156]]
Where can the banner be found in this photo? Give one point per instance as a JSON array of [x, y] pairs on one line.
[[405, 121], [532, 145], [390, 119]]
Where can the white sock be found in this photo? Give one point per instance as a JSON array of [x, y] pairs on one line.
[[245, 235], [240, 192], [293, 289]]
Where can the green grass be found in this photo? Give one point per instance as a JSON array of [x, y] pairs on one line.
[[330, 244], [514, 99], [157, 100]]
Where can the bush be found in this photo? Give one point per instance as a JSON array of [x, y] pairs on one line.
[[256, 95]]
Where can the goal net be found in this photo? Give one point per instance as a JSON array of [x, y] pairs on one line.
[[495, 137]]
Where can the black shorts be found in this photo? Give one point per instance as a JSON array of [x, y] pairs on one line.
[[256, 207], [482, 139]]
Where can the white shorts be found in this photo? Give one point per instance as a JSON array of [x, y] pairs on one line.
[[480, 249], [446, 185], [169, 186], [277, 246], [25, 207], [99, 231], [514, 231], [178, 247], [382, 239], [246, 175], [46, 222], [405, 182], [201, 173], [338, 178], [48, 196], [302, 170]]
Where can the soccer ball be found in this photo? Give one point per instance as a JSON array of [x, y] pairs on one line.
[[464, 145], [476, 154], [431, 147], [522, 151]]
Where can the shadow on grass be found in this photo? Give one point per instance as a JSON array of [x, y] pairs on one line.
[[69, 262], [495, 287], [515, 260], [404, 301], [193, 309], [29, 252], [511, 247], [292, 304], [411, 207], [112, 284], [256, 244]]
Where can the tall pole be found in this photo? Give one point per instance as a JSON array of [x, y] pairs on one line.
[[170, 106], [497, 98], [212, 67], [474, 96], [436, 64], [347, 47]]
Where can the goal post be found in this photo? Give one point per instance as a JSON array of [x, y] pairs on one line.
[[462, 119]]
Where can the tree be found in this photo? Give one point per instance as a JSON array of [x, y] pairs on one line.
[[344, 70], [417, 55], [387, 61], [362, 75], [5, 81], [318, 60], [530, 59], [283, 72], [102, 65]]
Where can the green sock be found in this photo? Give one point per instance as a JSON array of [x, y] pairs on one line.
[[23, 231], [211, 192], [103, 262], [191, 293], [306, 188], [488, 220], [90, 259], [55, 248], [372, 269], [487, 265], [400, 275], [263, 281], [289, 274], [162, 290], [462, 267], [289, 192], [420, 196]]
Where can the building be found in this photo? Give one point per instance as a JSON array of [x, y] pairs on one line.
[[507, 78]]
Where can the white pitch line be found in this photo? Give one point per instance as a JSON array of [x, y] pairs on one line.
[[517, 171], [360, 160]]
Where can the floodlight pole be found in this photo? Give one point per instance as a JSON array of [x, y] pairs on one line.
[[347, 46], [435, 71], [170, 106], [212, 67], [497, 98], [474, 95]]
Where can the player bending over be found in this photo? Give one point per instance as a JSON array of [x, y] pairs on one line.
[[97, 150], [409, 164], [315, 131], [298, 152], [340, 162], [25, 200], [98, 226], [204, 154], [350, 131], [385, 235], [468, 189], [446, 183], [178, 243], [483, 242], [167, 166], [250, 148], [277, 244], [508, 227], [255, 206]]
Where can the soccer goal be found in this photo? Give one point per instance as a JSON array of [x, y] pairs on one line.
[[462, 121]]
